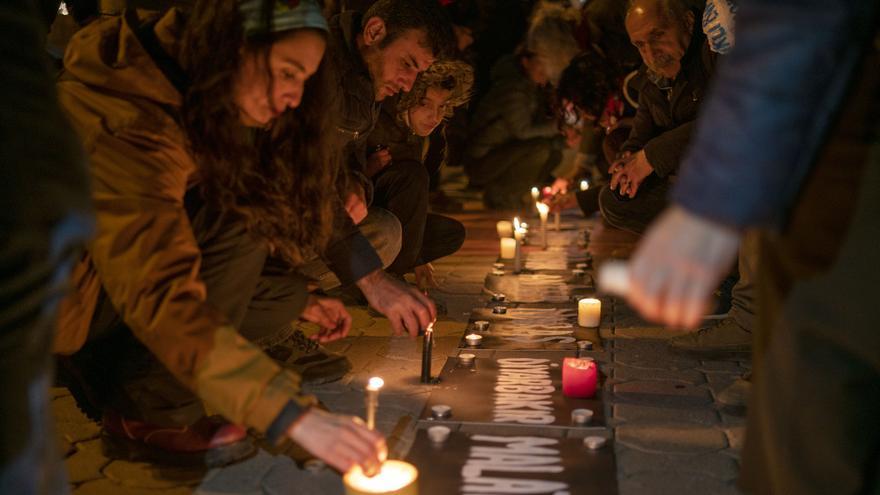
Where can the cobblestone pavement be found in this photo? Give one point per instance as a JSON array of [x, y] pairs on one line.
[[670, 437]]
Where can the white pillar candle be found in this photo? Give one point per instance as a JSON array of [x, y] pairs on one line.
[[589, 312], [543, 210], [504, 228], [508, 248]]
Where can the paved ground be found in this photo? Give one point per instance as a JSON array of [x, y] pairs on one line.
[[669, 434]]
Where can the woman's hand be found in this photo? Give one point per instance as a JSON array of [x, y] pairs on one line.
[[340, 441]]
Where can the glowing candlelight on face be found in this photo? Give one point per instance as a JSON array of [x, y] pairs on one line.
[[373, 386], [585, 184], [394, 477]]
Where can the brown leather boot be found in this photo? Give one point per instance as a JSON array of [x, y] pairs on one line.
[[209, 442]]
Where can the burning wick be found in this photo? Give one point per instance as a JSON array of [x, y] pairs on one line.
[[372, 397]]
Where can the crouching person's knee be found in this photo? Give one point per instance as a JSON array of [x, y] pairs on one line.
[[384, 232]]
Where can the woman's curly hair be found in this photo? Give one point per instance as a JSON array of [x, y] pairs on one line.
[[452, 75], [281, 180]]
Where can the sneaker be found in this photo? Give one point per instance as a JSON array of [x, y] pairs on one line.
[[314, 364], [722, 339], [210, 442], [736, 395]]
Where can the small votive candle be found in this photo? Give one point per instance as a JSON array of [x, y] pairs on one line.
[[499, 310], [498, 266], [589, 312], [393, 478], [504, 228], [499, 297], [473, 339], [579, 377], [439, 434], [466, 358], [578, 272], [481, 325], [582, 266], [581, 416], [508, 248], [585, 345], [594, 443], [441, 411]]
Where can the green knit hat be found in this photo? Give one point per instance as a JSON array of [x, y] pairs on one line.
[[286, 15]]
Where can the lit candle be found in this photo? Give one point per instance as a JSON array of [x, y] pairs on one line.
[[466, 359], [372, 398], [589, 312], [473, 339], [393, 478], [579, 377], [536, 193], [614, 278], [517, 256], [508, 248], [585, 184], [543, 210], [504, 228], [519, 230]]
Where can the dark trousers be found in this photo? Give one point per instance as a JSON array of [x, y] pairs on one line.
[[402, 189], [507, 173], [259, 295], [812, 426], [634, 215]]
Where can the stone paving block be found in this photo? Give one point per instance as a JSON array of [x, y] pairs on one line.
[[144, 475], [675, 483], [86, 463], [286, 478], [243, 477], [650, 414], [71, 423], [729, 419], [632, 462], [671, 439], [736, 435], [623, 372], [661, 393], [720, 366], [650, 354], [109, 487]]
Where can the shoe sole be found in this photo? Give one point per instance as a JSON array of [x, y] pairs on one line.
[[135, 451]]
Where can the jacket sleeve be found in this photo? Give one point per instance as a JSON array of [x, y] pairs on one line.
[[771, 103], [642, 127], [148, 260], [665, 151], [349, 254]]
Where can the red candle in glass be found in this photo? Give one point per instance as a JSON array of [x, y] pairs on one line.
[[579, 377]]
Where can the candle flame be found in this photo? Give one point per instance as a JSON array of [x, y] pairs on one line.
[[516, 224], [392, 476], [585, 184], [375, 383], [535, 191], [543, 209]]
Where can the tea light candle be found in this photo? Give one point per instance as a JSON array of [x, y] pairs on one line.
[[543, 210], [508, 248], [581, 416], [504, 229], [372, 399], [467, 358], [498, 266], [585, 184], [392, 478], [441, 411], [578, 272], [439, 434], [594, 443], [499, 310], [585, 345], [589, 312], [481, 325], [497, 272], [499, 297], [582, 266], [614, 278], [473, 339], [579, 377]]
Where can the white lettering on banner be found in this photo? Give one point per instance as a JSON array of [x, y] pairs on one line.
[[517, 455], [522, 392]]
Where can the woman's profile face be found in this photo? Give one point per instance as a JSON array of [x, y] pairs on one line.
[[292, 60]]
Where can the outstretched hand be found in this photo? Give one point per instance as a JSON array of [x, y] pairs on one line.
[[408, 309], [340, 441], [678, 265]]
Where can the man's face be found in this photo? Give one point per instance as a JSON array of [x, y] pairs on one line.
[[661, 44], [427, 114], [394, 67]]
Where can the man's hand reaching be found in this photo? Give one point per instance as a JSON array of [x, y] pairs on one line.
[[408, 309]]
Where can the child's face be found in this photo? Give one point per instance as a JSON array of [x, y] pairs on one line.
[[427, 114]]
